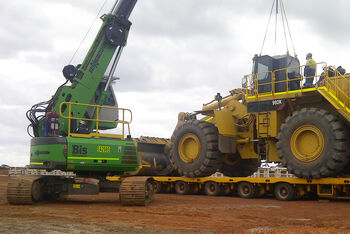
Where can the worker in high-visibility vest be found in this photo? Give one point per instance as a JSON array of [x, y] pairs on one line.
[[309, 71]]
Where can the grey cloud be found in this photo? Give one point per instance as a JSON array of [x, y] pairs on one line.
[[53, 62], [174, 18], [328, 19], [184, 18], [92, 6], [186, 63], [24, 28]]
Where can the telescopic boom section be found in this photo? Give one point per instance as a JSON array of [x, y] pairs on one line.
[[123, 8], [88, 77]]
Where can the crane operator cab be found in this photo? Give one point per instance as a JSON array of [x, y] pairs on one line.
[[110, 114], [276, 71]]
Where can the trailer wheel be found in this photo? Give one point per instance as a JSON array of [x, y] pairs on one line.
[[234, 166], [183, 188], [284, 192], [166, 188], [246, 190], [312, 144], [212, 188], [194, 149], [157, 186]]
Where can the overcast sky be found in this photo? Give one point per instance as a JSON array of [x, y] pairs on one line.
[[180, 53]]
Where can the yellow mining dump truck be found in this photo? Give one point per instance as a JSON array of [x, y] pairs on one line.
[[275, 117]]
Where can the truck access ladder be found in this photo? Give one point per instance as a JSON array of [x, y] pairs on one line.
[[336, 90]]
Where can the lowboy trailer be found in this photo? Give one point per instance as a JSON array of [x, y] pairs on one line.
[[284, 187]]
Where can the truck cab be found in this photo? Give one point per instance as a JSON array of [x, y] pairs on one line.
[[263, 67]]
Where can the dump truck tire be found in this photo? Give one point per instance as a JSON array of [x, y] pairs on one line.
[[312, 144], [346, 170], [194, 149], [235, 166]]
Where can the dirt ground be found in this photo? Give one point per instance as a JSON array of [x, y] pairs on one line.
[[171, 213]]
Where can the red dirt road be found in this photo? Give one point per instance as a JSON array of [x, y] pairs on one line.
[[170, 213]]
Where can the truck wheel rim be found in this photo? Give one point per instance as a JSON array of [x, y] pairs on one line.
[[307, 143], [181, 186], [283, 192], [189, 148], [246, 190], [212, 187]]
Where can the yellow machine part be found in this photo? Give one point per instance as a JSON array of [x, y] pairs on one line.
[[272, 153], [189, 148], [225, 123], [307, 143], [246, 150], [268, 123]]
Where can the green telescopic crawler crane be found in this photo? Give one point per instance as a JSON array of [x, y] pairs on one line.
[[68, 130]]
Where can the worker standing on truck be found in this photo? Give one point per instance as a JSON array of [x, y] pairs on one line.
[[309, 71]]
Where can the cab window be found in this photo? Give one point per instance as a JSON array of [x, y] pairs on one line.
[[109, 101], [262, 71]]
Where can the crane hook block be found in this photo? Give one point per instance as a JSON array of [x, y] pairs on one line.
[[69, 72]]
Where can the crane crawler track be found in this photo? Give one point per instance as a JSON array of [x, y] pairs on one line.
[[136, 191], [20, 190]]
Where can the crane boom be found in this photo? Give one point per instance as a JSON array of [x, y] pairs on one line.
[[88, 84]]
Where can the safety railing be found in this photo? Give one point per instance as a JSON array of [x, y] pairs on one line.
[[337, 86], [280, 81], [96, 131]]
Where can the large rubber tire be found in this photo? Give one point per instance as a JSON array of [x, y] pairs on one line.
[[234, 166], [197, 142], [169, 170], [346, 170], [312, 144]]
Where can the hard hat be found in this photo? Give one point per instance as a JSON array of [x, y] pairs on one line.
[[309, 55]]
